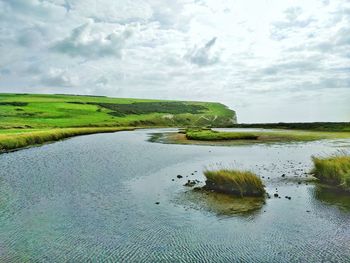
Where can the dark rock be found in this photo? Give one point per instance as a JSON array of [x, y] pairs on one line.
[[308, 211], [179, 176], [275, 195], [190, 183], [172, 179], [299, 182], [283, 175], [157, 203]]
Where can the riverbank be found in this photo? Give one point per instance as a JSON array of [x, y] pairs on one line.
[[241, 136], [17, 139]]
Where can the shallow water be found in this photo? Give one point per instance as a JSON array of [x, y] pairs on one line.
[[92, 198]]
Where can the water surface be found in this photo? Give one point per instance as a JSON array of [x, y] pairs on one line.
[[92, 198]]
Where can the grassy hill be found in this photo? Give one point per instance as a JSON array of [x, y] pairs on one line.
[[23, 111], [28, 119]]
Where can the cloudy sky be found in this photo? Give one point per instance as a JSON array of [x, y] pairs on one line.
[[270, 60]]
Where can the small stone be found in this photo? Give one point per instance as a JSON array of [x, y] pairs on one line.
[[308, 211], [157, 203], [283, 175], [179, 176], [275, 195], [299, 182], [172, 179]]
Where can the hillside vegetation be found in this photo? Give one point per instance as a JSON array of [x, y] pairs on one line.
[[27, 119], [63, 111]]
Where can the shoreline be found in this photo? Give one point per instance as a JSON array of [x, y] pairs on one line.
[[10, 142], [294, 136]]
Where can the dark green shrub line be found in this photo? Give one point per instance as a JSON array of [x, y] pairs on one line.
[[315, 126], [138, 108], [14, 103]]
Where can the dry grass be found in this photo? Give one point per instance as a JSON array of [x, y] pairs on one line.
[[334, 170], [241, 183], [11, 141]]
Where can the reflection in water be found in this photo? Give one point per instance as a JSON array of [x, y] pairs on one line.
[[93, 199], [331, 196], [221, 204]]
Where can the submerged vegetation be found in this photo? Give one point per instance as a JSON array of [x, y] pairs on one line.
[[234, 182], [333, 171]]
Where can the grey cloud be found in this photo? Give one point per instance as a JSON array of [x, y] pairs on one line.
[[59, 78], [202, 56], [43, 10], [81, 43], [292, 22]]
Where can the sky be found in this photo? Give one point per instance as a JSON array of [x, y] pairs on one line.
[[269, 60]]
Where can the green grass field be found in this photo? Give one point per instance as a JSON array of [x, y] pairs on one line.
[[29, 119], [62, 111]]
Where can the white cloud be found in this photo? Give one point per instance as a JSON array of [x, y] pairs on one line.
[[56, 77], [204, 55], [82, 42], [249, 54]]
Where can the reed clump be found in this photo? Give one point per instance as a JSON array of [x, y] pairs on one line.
[[234, 182], [333, 170]]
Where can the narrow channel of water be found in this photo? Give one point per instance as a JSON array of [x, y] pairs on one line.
[[93, 198]]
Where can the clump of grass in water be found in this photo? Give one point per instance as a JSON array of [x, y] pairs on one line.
[[210, 135], [334, 170], [234, 182]]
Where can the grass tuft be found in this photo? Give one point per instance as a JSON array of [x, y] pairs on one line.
[[210, 135], [234, 182], [334, 170]]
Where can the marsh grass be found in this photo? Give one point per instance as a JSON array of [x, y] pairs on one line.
[[11, 141], [210, 135], [262, 136], [333, 170], [234, 182]]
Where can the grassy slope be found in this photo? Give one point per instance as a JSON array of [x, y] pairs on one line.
[[58, 111], [334, 170], [34, 119]]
